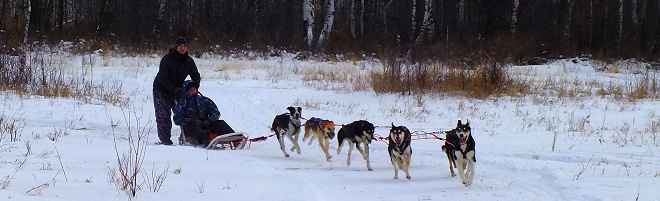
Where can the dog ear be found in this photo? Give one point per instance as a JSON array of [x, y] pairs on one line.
[[459, 123], [392, 124], [467, 122]]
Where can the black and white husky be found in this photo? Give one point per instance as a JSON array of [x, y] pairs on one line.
[[356, 133], [399, 149], [459, 146], [288, 125]]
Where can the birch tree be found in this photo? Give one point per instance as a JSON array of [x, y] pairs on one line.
[[159, 22], [327, 26], [308, 19], [427, 22], [514, 16], [620, 22], [414, 16]]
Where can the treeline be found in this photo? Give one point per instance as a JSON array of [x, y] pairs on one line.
[[509, 29]]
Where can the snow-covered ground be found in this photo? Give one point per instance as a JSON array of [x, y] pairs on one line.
[[604, 149]]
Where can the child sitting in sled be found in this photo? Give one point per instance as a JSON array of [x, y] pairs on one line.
[[199, 117]]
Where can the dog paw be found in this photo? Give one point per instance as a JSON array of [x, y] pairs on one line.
[[327, 158], [286, 155], [408, 177], [468, 184], [370, 169], [395, 177]]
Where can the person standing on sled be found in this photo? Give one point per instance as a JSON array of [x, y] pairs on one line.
[[175, 66], [198, 115]]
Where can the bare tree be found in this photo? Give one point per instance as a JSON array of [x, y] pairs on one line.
[[308, 18], [327, 26], [514, 16], [620, 34], [161, 15]]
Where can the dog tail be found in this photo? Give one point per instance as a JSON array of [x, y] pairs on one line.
[[444, 148]]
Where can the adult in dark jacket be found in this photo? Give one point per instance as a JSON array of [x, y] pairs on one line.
[[198, 115], [175, 66]]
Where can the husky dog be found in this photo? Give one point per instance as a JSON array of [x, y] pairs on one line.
[[459, 146], [356, 133], [321, 129], [399, 149], [288, 125]]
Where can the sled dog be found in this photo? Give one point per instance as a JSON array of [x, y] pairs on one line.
[[399, 149], [356, 133], [321, 129], [288, 125], [459, 146]]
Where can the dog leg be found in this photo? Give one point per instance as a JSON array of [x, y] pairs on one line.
[[295, 143], [365, 154], [406, 166], [394, 164], [280, 139], [470, 168], [450, 158], [323, 143], [350, 149], [461, 167], [297, 146], [311, 139], [306, 135]]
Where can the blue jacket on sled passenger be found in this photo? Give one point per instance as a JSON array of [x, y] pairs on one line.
[[197, 106]]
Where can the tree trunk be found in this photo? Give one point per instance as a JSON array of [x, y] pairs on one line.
[[567, 24], [413, 20], [352, 19], [426, 22], [308, 19], [24, 71], [361, 17], [514, 16], [327, 27], [620, 24], [161, 13]]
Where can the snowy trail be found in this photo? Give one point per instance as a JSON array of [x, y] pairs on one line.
[[514, 155]]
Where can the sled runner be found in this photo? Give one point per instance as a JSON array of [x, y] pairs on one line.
[[234, 141], [222, 136]]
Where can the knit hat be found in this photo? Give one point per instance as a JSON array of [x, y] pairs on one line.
[[181, 40], [190, 83]]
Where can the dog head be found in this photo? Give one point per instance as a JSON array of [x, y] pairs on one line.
[[295, 112], [328, 128], [399, 134], [367, 129], [463, 131]]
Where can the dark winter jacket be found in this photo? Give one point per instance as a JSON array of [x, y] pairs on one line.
[[192, 107], [173, 70]]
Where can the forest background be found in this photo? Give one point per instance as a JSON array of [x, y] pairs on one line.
[[508, 31]]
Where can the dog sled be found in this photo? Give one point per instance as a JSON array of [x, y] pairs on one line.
[[222, 136], [233, 141]]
